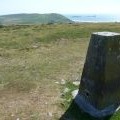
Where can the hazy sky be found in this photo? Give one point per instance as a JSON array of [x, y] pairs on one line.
[[60, 6]]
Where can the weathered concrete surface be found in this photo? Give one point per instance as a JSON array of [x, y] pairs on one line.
[[99, 92]]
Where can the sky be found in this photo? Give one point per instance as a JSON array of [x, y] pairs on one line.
[[60, 6]]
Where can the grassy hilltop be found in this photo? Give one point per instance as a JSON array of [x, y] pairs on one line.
[[33, 61], [33, 19]]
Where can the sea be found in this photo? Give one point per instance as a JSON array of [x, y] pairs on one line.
[[94, 18]]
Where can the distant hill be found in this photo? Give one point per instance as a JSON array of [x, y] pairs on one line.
[[33, 19]]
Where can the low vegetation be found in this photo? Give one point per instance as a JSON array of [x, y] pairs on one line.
[[34, 59], [33, 19]]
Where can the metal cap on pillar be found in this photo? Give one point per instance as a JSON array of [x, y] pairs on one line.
[[99, 91]]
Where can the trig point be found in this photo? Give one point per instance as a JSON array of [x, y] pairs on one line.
[[99, 92]]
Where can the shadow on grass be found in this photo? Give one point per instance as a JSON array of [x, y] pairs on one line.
[[74, 113]]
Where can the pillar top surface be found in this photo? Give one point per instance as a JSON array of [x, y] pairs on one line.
[[106, 33]]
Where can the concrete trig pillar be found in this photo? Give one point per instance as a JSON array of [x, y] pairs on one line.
[[99, 92]]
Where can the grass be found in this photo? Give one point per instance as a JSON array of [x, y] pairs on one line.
[[33, 58]]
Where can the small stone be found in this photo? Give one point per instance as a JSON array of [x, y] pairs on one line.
[[57, 82], [12, 115], [76, 83], [66, 90], [63, 82], [18, 119], [117, 109], [46, 103], [50, 114], [74, 93], [69, 100], [35, 46]]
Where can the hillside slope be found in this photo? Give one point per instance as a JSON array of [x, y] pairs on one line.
[[33, 19]]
